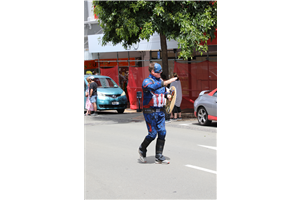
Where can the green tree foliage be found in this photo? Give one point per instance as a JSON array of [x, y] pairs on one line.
[[190, 23]]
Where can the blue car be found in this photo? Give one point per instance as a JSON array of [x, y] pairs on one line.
[[109, 95]]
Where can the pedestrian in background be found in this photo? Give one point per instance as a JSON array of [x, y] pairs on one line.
[[88, 105], [93, 93], [125, 87], [176, 113]]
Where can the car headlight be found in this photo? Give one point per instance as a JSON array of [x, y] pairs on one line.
[[101, 94], [123, 93]]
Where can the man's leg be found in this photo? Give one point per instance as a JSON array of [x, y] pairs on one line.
[[175, 113], [143, 149], [179, 112], [94, 102], [160, 142], [95, 106], [149, 138]]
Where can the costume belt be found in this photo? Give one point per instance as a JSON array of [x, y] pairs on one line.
[[153, 110]]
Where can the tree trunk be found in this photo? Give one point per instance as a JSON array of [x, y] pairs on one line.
[[164, 55], [190, 77]]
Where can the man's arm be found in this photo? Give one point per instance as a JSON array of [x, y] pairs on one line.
[[171, 80], [91, 93], [91, 89], [148, 84]]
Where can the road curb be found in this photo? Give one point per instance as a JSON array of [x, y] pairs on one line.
[[187, 115], [183, 114]]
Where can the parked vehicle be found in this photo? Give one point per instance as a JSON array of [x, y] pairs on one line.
[[109, 95], [205, 107]]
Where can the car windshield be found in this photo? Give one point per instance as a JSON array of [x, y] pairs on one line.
[[105, 82]]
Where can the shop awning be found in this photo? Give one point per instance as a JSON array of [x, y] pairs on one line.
[[153, 44]]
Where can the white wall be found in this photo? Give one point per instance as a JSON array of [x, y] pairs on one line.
[[90, 9], [95, 44]]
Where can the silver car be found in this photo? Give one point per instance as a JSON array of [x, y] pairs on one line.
[[205, 107]]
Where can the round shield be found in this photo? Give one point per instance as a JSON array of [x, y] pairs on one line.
[[170, 104]]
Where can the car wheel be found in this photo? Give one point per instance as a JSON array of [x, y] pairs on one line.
[[202, 117], [120, 111]]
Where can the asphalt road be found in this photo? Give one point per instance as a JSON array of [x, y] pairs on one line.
[[113, 171]]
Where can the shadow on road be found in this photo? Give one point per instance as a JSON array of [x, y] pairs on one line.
[[213, 124], [112, 116], [111, 112], [151, 160]]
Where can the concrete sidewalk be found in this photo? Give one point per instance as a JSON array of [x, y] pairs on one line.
[[185, 113]]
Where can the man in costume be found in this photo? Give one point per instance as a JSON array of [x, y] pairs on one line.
[[153, 109]]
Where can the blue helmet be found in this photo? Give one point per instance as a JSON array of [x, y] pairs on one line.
[[157, 68]]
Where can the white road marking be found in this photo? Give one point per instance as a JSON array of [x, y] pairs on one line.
[[202, 169], [184, 124], [209, 147]]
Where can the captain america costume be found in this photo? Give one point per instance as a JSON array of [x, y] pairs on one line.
[[154, 98], [153, 110]]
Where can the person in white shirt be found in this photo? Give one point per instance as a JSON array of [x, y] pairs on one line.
[[176, 113]]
